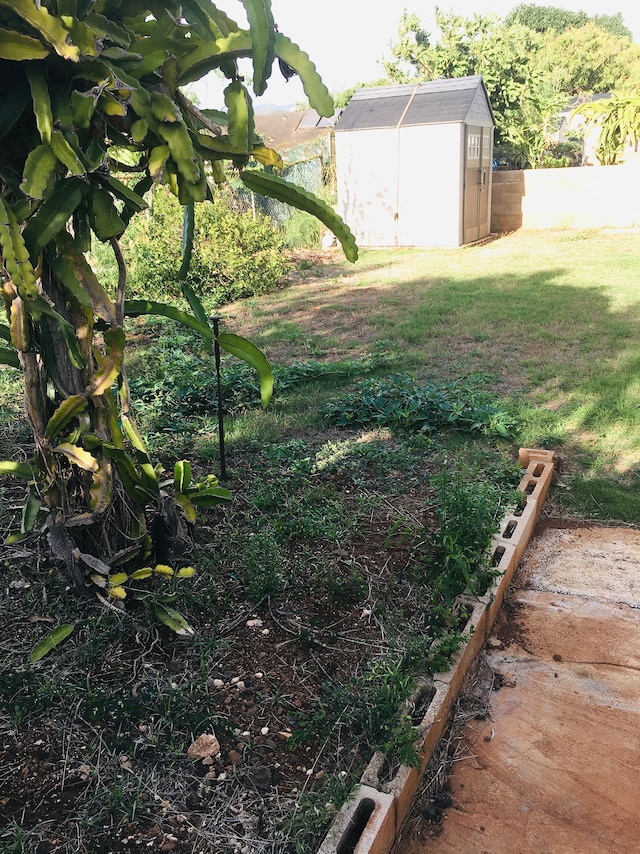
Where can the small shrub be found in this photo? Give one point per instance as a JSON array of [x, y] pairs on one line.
[[236, 255], [302, 231]]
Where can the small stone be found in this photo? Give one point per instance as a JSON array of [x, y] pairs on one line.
[[264, 730], [260, 777], [235, 680], [259, 674], [494, 643], [264, 632], [319, 775], [256, 623], [205, 745], [218, 683], [125, 762]]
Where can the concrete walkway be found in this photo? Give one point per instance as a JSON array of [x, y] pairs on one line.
[[557, 767]]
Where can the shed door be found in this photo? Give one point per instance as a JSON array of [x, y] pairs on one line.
[[477, 178]]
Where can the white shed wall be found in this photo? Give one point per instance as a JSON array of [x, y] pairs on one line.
[[431, 185], [367, 179]]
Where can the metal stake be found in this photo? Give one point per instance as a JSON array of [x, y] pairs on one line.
[[216, 350]]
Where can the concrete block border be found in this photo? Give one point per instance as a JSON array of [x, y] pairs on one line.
[[369, 821]]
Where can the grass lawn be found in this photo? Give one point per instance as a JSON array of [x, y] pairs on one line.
[[363, 500], [550, 319]]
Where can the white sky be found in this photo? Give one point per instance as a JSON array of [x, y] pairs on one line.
[[347, 38]]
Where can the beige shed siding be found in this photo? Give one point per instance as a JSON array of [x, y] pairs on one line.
[[430, 185], [366, 174]]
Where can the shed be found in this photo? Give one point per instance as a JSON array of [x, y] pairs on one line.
[[413, 163]]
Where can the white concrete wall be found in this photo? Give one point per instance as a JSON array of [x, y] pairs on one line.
[[580, 197]]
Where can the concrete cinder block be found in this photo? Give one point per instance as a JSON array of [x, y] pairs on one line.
[[516, 528], [366, 824], [404, 786], [507, 566]]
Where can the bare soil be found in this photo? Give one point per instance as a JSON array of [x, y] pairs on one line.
[[94, 739]]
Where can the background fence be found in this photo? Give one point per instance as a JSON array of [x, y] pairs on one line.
[[308, 166]]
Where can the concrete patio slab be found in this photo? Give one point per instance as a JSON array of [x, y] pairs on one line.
[[557, 767]]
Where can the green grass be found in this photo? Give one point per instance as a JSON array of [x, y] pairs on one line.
[[552, 317]]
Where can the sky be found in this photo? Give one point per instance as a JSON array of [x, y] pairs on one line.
[[347, 38]]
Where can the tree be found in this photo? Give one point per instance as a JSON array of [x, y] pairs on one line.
[[588, 59], [92, 113], [545, 18], [520, 99], [618, 118], [613, 24]]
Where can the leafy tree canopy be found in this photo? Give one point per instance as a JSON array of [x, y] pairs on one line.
[[588, 59], [543, 19]]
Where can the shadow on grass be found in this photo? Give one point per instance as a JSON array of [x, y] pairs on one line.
[[555, 342]]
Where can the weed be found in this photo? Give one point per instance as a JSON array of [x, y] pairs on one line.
[[317, 514], [262, 564], [315, 809], [400, 402], [468, 510], [347, 588], [366, 711]]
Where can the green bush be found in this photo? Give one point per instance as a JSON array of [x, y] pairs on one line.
[[235, 255], [302, 231]]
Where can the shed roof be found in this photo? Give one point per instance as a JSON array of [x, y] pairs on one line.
[[434, 102], [286, 129]]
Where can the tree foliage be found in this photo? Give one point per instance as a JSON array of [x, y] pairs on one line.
[[543, 19], [91, 115], [588, 59], [618, 119], [532, 64]]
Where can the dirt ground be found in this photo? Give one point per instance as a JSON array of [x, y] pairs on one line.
[[555, 767]]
